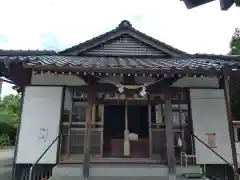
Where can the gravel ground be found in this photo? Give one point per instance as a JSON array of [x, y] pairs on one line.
[[6, 158]]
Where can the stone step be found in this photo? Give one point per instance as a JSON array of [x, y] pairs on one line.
[[124, 177], [5, 173], [122, 170], [193, 175]]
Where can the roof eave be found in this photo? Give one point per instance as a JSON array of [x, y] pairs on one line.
[[217, 56], [26, 52], [123, 70]]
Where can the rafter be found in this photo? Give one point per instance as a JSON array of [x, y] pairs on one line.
[[88, 78]]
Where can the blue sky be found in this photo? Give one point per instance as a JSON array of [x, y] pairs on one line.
[[57, 24]]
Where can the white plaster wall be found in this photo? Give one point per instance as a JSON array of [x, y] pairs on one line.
[[185, 81], [52, 79], [71, 80], [41, 109], [196, 82], [209, 116]]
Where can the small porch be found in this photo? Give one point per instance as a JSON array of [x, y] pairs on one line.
[[118, 121]]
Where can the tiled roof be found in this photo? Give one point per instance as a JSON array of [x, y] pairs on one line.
[[26, 52], [217, 56], [122, 48], [123, 62]]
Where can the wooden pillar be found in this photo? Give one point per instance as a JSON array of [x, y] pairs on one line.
[[235, 129], [16, 172], [126, 149], [101, 109], [69, 123], [26, 80], [91, 97], [229, 116], [169, 136], [149, 128], [93, 114]]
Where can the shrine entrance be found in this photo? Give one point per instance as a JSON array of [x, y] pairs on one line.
[[113, 131], [126, 131]]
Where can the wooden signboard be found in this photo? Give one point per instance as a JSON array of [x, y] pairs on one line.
[[211, 140]]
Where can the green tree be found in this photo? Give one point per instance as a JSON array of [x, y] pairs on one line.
[[235, 82], [235, 43], [9, 115]]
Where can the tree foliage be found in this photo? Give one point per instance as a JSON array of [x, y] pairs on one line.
[[9, 114], [235, 82], [235, 43]]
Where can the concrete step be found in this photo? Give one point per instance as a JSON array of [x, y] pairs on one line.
[[5, 173], [125, 177], [122, 170]]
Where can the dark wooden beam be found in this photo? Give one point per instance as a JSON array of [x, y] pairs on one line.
[[87, 143], [19, 74], [173, 70], [128, 79], [91, 98], [110, 88], [195, 3], [163, 84], [237, 2], [89, 79], [156, 101], [169, 135], [15, 172], [226, 4], [230, 119], [103, 87], [190, 122], [221, 83], [70, 118]]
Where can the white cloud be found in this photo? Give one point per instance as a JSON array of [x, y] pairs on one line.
[[69, 22], [203, 29]]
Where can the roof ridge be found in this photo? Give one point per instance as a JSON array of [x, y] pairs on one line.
[[20, 52], [217, 56]]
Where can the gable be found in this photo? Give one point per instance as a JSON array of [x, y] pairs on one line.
[[124, 45], [123, 41]]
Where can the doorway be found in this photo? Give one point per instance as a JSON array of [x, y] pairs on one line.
[[114, 126], [138, 124], [113, 133]]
